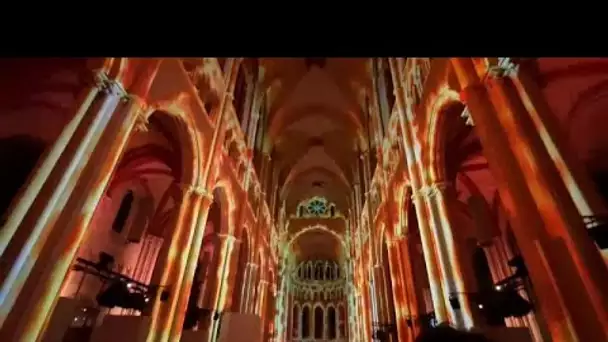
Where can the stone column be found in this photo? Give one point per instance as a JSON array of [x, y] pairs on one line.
[[255, 109], [413, 295], [398, 279], [381, 294], [431, 260], [251, 88], [559, 211], [266, 172], [581, 189], [563, 263], [404, 110], [366, 172], [219, 293], [96, 101], [249, 288], [367, 310], [187, 268], [447, 252], [58, 229], [357, 188], [176, 273], [261, 307], [51, 186]]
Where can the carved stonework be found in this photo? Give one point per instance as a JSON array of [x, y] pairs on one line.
[[431, 190], [504, 67], [141, 121], [466, 115]]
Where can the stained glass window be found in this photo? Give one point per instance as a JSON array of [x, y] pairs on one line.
[[317, 207]]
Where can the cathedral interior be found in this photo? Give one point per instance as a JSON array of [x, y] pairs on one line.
[[303, 199]]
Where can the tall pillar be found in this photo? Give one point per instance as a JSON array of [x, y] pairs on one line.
[[408, 137], [249, 288], [51, 185], [32, 286], [399, 289], [177, 273], [256, 105], [413, 296], [266, 172], [562, 261], [431, 260], [219, 294], [447, 252], [261, 307], [357, 189], [573, 175], [559, 210], [95, 101], [244, 290], [193, 248], [367, 176], [381, 294], [250, 91], [369, 312]]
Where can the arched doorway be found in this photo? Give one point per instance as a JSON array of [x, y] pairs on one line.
[[305, 322], [319, 322], [331, 323], [295, 320]]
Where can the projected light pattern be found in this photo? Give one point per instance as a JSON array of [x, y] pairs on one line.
[[396, 195]]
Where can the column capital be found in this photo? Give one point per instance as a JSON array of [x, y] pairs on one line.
[[110, 86], [228, 238], [197, 190], [431, 190], [141, 114], [504, 67]]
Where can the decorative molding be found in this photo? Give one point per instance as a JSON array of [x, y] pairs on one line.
[[229, 238], [466, 115], [431, 190], [141, 117], [504, 67], [198, 190]]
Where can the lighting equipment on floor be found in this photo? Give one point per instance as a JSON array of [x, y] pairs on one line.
[[120, 290], [124, 294], [504, 299]]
